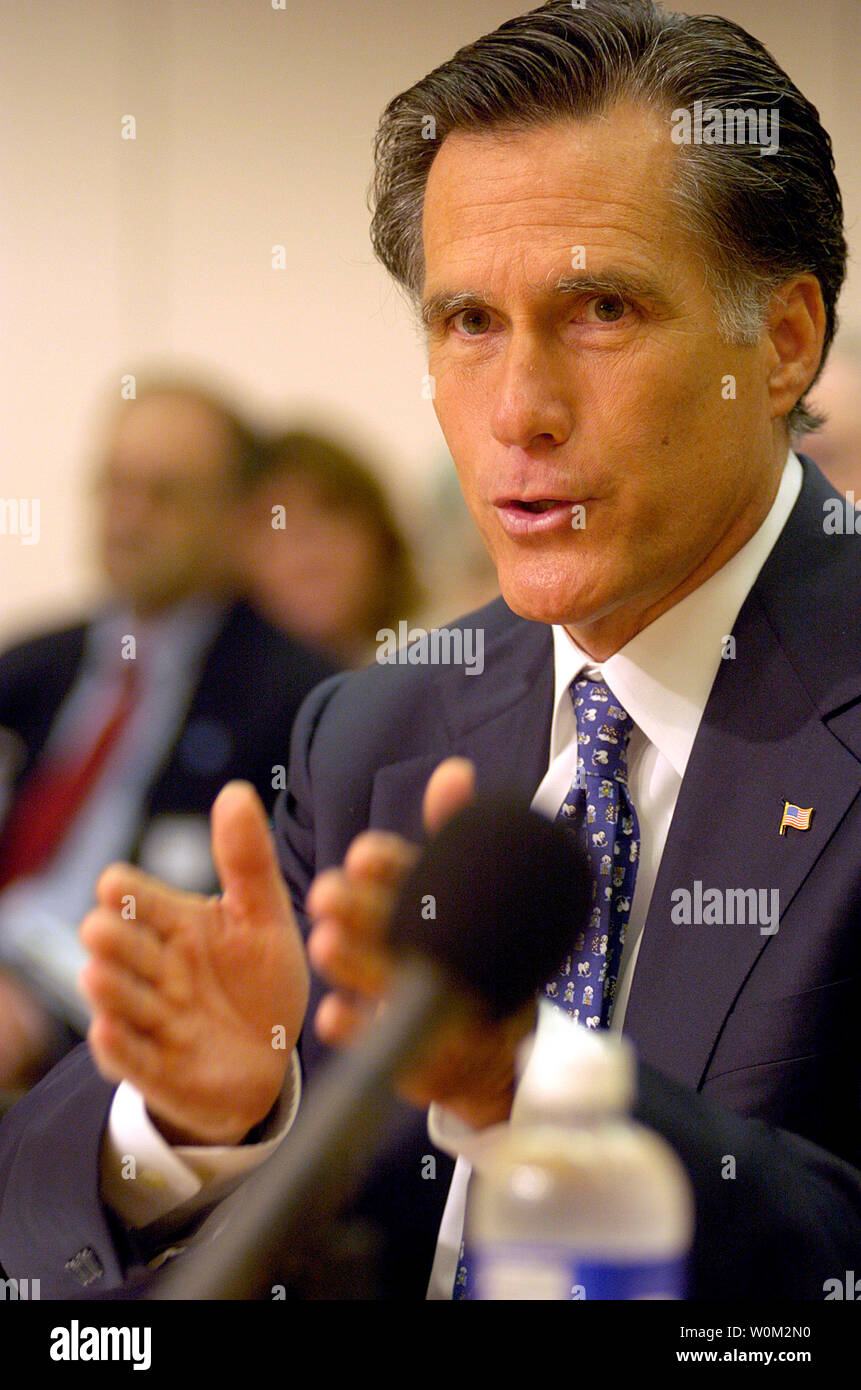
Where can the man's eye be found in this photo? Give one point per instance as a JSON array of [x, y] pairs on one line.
[[609, 308], [473, 322]]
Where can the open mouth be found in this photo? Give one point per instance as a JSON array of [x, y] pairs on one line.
[[536, 515]]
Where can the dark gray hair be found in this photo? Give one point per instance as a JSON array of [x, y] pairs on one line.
[[760, 218]]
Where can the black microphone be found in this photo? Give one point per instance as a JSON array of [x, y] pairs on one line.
[[486, 916]]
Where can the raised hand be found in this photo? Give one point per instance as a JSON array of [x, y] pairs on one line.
[[199, 1001], [469, 1066]]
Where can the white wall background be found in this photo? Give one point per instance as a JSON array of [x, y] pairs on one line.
[[254, 127]]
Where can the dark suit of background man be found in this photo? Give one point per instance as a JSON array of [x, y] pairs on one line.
[[213, 691], [625, 325]]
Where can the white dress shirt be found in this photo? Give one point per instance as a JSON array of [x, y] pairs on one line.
[[662, 677]]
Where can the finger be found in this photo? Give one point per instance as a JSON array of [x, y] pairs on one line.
[[450, 787], [344, 964], [244, 854], [340, 1021], [136, 896], [109, 936], [111, 989], [380, 857], [121, 1053], [364, 909]]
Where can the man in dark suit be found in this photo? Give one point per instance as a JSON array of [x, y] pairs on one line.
[[773, 1032], [621, 422], [175, 468]]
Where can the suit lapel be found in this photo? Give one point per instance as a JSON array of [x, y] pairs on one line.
[[756, 747], [763, 739], [500, 720]]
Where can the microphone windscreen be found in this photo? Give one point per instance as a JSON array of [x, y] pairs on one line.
[[497, 899]]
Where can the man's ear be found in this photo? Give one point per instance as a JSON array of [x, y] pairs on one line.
[[796, 328]]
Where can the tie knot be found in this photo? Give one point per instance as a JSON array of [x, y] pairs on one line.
[[603, 730]]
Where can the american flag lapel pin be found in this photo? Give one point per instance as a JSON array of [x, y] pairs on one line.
[[795, 816]]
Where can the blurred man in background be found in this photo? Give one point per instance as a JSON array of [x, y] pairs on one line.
[[119, 732]]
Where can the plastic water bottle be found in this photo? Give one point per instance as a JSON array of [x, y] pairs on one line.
[[573, 1199]]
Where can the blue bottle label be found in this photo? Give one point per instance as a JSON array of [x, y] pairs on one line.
[[551, 1272]]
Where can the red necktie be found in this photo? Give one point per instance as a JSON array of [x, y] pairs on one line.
[[53, 793]]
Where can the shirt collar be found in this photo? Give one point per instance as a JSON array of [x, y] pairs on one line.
[[165, 644], [663, 676]]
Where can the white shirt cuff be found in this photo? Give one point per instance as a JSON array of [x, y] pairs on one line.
[[142, 1178]]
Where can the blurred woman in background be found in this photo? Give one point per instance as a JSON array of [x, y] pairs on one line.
[[322, 554]]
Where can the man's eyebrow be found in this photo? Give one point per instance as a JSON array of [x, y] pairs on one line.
[[441, 305], [611, 281]]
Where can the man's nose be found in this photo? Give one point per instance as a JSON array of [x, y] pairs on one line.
[[531, 395]]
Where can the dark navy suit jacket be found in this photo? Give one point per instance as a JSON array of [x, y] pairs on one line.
[[250, 685], [749, 1043]]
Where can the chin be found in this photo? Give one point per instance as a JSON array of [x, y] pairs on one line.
[[539, 610], [548, 598]]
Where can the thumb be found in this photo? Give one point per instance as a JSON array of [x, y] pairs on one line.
[[244, 855], [451, 786]]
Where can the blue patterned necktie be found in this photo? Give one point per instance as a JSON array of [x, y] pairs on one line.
[[607, 827], [602, 814]]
